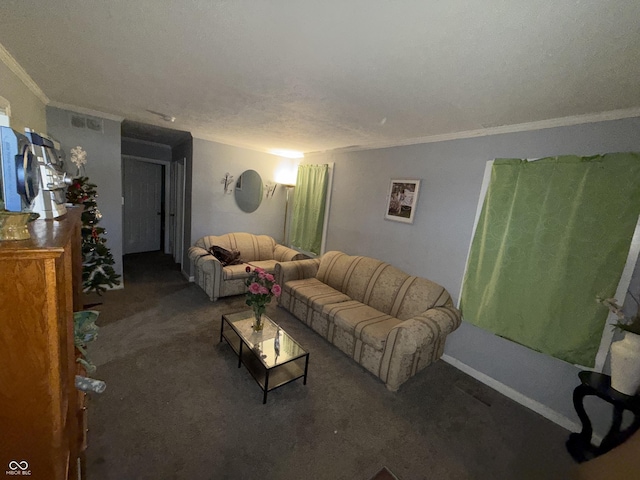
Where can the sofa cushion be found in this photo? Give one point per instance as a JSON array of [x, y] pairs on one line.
[[235, 272], [362, 321], [253, 247], [420, 296], [362, 277], [333, 269], [389, 289], [365, 279], [314, 293], [266, 265]]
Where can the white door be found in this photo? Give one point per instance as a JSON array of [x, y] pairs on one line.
[[142, 206]]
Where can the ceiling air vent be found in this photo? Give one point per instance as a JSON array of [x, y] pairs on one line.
[[91, 123], [78, 121]]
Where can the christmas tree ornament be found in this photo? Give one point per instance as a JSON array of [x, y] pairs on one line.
[[79, 158]]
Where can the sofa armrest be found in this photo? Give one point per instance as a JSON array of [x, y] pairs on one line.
[[440, 321], [296, 270], [204, 261], [210, 265], [207, 271], [196, 252], [286, 254], [416, 343]]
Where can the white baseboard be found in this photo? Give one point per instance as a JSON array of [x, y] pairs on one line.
[[516, 396]]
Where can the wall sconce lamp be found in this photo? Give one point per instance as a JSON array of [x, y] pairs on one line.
[[270, 189], [227, 180]]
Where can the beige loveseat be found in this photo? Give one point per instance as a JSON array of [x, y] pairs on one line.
[[255, 250], [391, 323]]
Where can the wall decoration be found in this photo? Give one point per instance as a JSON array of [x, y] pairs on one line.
[[227, 180], [402, 200], [270, 189]]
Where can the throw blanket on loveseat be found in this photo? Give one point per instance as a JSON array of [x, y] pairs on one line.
[[391, 323], [219, 280]]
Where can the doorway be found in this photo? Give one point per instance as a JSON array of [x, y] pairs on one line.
[[143, 189], [155, 185]]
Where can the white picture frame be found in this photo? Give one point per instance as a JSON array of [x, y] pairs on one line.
[[402, 199]]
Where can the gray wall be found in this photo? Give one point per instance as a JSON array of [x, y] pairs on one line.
[[436, 244], [213, 212], [103, 168]]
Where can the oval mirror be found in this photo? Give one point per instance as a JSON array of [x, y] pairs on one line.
[[248, 191]]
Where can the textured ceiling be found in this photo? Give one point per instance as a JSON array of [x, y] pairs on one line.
[[318, 75]]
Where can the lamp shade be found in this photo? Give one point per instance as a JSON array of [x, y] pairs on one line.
[[286, 174]]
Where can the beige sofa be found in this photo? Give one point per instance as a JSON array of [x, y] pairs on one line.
[[255, 250], [391, 323]]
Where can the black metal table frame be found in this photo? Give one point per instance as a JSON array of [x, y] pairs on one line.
[[266, 388], [597, 384]]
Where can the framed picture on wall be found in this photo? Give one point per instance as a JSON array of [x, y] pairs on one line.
[[402, 200]]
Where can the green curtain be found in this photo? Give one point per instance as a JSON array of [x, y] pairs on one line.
[[308, 207], [553, 234]]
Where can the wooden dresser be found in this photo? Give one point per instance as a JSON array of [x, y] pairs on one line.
[[41, 412]]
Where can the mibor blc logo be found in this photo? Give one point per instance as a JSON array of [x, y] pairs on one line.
[[18, 468]]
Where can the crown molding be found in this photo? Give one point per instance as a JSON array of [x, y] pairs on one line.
[[21, 73], [86, 111], [485, 132]]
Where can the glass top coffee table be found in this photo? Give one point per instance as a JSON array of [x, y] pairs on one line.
[[271, 355]]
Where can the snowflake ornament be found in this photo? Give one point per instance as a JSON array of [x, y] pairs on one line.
[[78, 156]]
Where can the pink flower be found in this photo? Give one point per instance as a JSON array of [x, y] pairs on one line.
[[270, 277], [263, 290], [255, 288], [276, 290]]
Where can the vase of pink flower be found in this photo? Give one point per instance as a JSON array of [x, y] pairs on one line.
[[262, 287]]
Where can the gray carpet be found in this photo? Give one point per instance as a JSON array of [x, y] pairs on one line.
[[177, 406]]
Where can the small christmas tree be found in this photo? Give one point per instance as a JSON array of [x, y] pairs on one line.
[[97, 261]]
